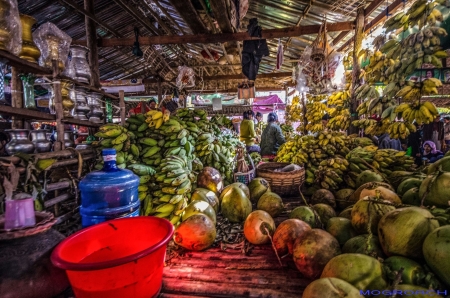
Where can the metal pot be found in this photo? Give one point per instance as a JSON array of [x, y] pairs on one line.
[[39, 139], [68, 139], [80, 63], [19, 142], [30, 51], [67, 103], [95, 104], [81, 107]]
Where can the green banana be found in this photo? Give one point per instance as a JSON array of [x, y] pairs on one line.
[[148, 141]]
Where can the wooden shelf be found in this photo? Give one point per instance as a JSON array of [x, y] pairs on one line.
[[26, 113], [88, 87], [81, 122], [23, 65]]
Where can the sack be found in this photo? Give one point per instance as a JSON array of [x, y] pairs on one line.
[[246, 90]]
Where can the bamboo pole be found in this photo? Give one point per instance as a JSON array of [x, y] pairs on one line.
[[59, 144], [122, 106], [16, 97]]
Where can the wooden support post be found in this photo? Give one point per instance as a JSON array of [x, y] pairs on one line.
[[359, 35], [59, 144], [160, 99], [91, 38], [122, 106], [16, 97]]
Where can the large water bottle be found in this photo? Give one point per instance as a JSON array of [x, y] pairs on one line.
[[108, 194]]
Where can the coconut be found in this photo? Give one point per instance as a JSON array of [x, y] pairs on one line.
[[362, 271], [308, 215], [382, 193], [323, 196], [443, 164], [203, 194], [258, 187], [313, 250], [330, 288], [408, 184], [412, 291], [342, 197], [198, 232], [363, 245], [366, 212], [325, 212], [412, 274], [403, 231], [368, 176], [370, 185], [310, 190], [271, 203], [258, 226], [196, 207], [286, 234], [347, 212], [437, 188], [242, 186], [341, 228], [211, 179], [411, 197], [396, 177], [436, 251], [235, 205]]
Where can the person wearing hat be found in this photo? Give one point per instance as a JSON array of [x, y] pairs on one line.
[[272, 137], [152, 105]]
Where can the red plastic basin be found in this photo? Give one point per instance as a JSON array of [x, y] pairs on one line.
[[118, 258]]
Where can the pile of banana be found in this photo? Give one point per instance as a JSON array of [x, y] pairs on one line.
[[174, 178], [423, 113], [339, 98], [316, 110], [222, 121], [328, 174], [341, 121], [374, 106], [388, 160]]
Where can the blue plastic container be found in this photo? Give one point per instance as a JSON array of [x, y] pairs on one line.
[[108, 194]]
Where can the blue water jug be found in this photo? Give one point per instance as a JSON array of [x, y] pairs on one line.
[[108, 194]]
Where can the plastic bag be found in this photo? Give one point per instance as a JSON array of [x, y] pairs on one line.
[[302, 82], [10, 27], [337, 69], [186, 77], [53, 44]]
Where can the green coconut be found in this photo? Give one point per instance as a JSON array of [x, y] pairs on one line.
[[396, 177], [411, 291], [356, 196], [235, 204], [368, 176], [436, 251], [206, 195], [443, 164], [436, 189], [363, 245], [323, 196], [347, 212], [308, 215], [196, 207], [309, 191], [271, 203], [412, 274], [342, 197], [330, 288], [361, 271], [403, 231], [408, 184], [257, 188], [242, 186], [341, 228], [312, 251], [411, 197], [286, 234], [367, 213], [325, 212]]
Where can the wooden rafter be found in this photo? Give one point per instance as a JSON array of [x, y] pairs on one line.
[[190, 16]]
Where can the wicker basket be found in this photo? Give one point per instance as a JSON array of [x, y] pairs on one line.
[[282, 183], [247, 177]]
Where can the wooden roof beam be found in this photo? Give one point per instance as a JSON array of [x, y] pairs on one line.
[[190, 16], [223, 37]]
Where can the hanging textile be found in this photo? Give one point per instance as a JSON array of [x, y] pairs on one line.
[[279, 54], [253, 50]]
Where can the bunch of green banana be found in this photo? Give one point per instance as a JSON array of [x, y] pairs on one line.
[[174, 179], [360, 159], [330, 172], [388, 160], [398, 21], [423, 12], [222, 121], [287, 130], [256, 157], [442, 215], [366, 92]]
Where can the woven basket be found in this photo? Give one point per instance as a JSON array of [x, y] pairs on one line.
[[281, 183], [247, 177]]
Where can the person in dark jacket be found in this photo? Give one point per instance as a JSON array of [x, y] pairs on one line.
[[430, 153], [434, 131], [272, 137], [385, 142], [414, 141]]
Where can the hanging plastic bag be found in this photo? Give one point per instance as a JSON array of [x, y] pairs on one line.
[[186, 77], [10, 27]]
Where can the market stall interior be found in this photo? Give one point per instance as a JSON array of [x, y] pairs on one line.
[[224, 148]]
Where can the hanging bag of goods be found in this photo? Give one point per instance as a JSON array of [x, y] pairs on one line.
[[246, 90]]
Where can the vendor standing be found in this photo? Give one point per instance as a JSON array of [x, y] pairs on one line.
[[272, 137], [247, 132]]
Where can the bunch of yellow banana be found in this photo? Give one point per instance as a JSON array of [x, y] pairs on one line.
[[341, 121], [391, 90], [430, 86], [409, 93], [330, 171], [348, 61], [421, 113], [362, 123], [420, 12], [156, 118], [175, 184], [401, 130], [378, 128], [294, 110], [316, 110], [339, 98], [398, 21], [388, 160]]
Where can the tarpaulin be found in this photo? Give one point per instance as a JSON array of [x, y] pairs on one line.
[[266, 104]]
